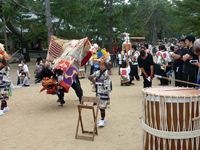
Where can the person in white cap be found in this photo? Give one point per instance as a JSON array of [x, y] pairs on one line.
[[19, 74]]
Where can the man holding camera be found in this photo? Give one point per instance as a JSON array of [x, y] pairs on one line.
[[190, 70]]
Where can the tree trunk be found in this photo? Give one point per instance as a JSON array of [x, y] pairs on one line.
[[109, 4], [154, 36], [48, 19], [5, 34]]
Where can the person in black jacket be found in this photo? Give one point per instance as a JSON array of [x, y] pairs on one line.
[[178, 62], [190, 70], [146, 64]]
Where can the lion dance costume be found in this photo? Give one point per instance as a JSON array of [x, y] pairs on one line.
[[68, 56]]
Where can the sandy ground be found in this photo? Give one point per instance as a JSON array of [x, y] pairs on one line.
[[35, 122]]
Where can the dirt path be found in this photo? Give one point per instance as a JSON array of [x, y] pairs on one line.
[[35, 122]]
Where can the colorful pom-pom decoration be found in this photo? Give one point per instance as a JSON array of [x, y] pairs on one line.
[[104, 51], [99, 54]]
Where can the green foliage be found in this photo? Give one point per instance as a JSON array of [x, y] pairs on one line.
[[154, 19], [188, 14]]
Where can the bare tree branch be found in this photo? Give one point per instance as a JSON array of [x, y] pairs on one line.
[[149, 17]]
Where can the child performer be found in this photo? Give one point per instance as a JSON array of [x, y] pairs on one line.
[[103, 87]]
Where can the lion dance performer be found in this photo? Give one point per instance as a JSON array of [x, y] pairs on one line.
[[5, 84], [66, 56]]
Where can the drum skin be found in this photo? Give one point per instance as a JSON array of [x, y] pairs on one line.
[[170, 109]]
